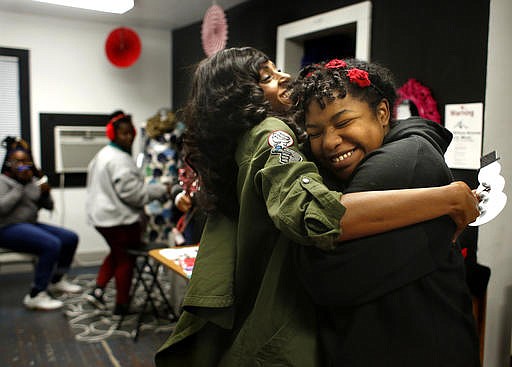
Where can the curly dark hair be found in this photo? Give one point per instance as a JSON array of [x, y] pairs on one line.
[[225, 102], [316, 82]]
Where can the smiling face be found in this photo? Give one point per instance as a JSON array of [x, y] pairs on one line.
[[344, 132], [274, 83]]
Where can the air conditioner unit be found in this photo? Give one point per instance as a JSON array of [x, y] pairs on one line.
[[76, 146]]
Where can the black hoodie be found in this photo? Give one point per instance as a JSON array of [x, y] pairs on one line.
[[433, 132], [398, 298]]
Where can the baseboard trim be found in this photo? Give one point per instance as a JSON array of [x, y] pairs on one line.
[[90, 258]]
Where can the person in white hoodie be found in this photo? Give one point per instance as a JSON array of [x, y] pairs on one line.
[[116, 195]]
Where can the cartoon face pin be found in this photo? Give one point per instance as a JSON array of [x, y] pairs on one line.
[[280, 141]]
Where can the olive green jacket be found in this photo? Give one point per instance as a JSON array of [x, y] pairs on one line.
[[244, 305]]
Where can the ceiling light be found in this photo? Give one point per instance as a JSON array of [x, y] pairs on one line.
[[108, 6]]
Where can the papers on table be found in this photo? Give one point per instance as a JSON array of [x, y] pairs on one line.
[[184, 257]]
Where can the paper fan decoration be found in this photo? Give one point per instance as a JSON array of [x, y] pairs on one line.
[[214, 30], [123, 47], [420, 95]]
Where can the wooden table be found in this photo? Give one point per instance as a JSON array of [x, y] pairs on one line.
[[173, 258]]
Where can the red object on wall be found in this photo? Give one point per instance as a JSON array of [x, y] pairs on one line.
[[123, 47], [214, 30], [420, 95]]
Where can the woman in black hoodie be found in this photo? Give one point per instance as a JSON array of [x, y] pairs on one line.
[[397, 298]]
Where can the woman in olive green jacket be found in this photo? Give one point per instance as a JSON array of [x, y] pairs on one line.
[[244, 305]]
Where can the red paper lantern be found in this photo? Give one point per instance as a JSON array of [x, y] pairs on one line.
[[123, 47]]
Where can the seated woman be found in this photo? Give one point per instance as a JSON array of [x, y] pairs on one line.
[[22, 193], [398, 298]]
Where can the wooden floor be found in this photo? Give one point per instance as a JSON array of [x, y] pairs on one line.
[[39, 338]]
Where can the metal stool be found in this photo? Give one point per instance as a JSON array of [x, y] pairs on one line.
[[146, 274]]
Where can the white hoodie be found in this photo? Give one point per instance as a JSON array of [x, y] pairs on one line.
[[116, 191]]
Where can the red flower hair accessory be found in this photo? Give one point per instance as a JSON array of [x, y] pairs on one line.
[[359, 77], [335, 64]]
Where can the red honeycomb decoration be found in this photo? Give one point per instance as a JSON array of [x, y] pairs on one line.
[[214, 30], [123, 47], [420, 95]]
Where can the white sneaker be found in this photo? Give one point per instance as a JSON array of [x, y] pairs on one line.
[[42, 301], [64, 286]]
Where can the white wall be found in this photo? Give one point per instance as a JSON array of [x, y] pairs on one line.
[[495, 238], [70, 73]]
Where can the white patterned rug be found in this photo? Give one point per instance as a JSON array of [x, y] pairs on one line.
[[93, 325]]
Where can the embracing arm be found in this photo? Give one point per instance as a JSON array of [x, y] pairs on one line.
[[374, 212]]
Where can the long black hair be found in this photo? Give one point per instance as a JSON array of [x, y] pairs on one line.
[[225, 102]]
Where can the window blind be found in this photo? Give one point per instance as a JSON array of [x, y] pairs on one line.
[[10, 120]]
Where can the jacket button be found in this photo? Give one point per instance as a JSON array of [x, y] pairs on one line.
[[305, 180]]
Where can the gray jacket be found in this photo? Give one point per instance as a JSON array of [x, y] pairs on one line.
[[21, 203]]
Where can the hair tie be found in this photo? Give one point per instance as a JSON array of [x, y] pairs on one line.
[[359, 77], [336, 64]]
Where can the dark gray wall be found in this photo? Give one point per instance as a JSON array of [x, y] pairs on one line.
[[442, 43]]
